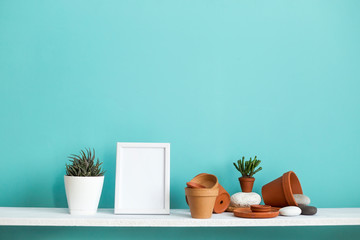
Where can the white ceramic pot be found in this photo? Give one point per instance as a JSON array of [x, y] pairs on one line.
[[83, 194]]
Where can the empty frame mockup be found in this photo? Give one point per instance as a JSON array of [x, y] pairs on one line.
[[142, 178]]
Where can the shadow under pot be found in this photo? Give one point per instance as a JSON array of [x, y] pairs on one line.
[[280, 192], [201, 201]]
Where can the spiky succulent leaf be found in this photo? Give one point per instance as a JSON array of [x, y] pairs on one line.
[[84, 164], [248, 168]]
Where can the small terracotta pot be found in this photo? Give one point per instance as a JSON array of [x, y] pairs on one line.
[[279, 193], [201, 201], [206, 180], [246, 183]]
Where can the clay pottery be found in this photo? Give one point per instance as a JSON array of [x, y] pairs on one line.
[[279, 193], [246, 183], [206, 180], [194, 185], [201, 201], [222, 200], [260, 208], [247, 213]]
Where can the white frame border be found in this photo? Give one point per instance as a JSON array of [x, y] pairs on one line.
[[166, 209]]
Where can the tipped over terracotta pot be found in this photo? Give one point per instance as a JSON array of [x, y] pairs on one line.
[[222, 201], [279, 193], [201, 201], [206, 180]]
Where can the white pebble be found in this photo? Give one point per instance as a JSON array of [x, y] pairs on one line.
[[290, 211], [245, 199], [302, 199]]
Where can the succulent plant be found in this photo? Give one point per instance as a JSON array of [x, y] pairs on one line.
[[84, 165], [247, 168]]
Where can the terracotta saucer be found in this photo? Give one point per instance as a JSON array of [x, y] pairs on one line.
[[247, 213], [194, 185], [260, 208], [230, 209]]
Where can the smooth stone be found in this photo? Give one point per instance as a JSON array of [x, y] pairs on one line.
[[290, 211], [301, 199], [307, 210], [244, 199]]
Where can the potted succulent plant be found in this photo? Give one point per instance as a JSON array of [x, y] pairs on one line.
[[247, 170], [83, 183]]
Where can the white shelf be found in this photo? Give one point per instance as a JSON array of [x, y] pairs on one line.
[[11, 216]]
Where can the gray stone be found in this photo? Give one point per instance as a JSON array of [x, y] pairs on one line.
[[307, 210], [301, 199], [244, 199], [290, 211]]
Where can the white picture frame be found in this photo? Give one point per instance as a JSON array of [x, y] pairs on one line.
[[142, 178]]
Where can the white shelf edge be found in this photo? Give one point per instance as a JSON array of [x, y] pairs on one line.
[[14, 216]]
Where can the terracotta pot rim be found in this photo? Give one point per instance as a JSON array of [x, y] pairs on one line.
[[202, 189], [288, 192], [201, 192], [247, 179]]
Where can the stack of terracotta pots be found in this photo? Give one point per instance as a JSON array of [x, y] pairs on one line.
[[205, 195]]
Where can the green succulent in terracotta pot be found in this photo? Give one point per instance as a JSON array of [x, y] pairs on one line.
[[247, 169]]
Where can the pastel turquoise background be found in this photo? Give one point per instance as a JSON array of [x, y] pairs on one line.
[[218, 79]]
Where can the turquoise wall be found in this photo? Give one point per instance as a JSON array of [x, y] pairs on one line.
[[216, 79]]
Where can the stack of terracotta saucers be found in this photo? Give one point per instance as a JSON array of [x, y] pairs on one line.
[[257, 211]]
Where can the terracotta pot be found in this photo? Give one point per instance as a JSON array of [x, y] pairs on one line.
[[201, 201], [206, 180], [246, 183], [279, 193], [222, 201]]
